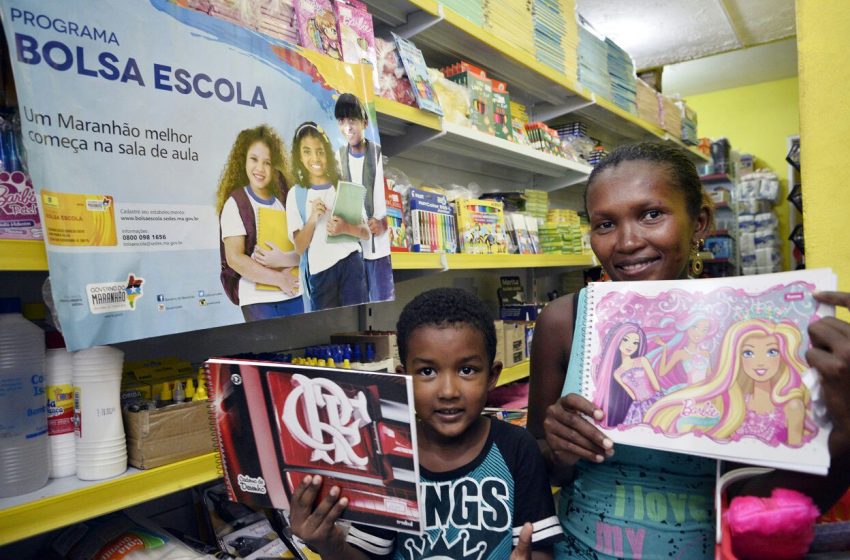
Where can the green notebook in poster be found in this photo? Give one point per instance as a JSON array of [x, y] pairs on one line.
[[350, 206]]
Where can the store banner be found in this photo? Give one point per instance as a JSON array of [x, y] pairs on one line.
[[193, 173]]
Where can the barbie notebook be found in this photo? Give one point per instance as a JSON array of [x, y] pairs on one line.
[[276, 423], [712, 367]]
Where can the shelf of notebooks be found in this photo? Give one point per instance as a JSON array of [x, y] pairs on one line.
[[445, 36], [20, 255], [442, 261], [449, 145], [515, 373], [69, 500]]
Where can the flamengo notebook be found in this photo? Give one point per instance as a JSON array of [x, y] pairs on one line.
[[271, 227], [711, 367], [276, 423], [350, 205]]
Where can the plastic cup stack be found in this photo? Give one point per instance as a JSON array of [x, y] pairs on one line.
[[101, 448], [58, 370]]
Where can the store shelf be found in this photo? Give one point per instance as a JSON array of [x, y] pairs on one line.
[[393, 114], [520, 371], [430, 261], [446, 36], [68, 500], [452, 36], [22, 255]]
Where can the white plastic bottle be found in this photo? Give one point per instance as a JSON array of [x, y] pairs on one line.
[[59, 379], [23, 404]]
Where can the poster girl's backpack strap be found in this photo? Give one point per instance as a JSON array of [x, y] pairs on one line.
[[303, 264], [229, 277]]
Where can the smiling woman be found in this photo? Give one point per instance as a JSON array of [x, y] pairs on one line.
[[648, 214]]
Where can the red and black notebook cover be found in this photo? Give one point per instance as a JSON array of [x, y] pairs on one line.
[[276, 423]]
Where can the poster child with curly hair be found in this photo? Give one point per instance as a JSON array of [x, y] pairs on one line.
[[254, 177], [333, 273]]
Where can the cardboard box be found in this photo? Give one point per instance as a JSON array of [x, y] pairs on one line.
[[514, 343], [168, 434], [500, 340]]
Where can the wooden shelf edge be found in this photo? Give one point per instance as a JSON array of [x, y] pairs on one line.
[[101, 497], [22, 255]]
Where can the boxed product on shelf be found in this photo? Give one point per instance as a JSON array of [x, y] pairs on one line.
[[514, 343], [480, 89], [516, 225], [671, 115], [481, 226], [502, 110], [168, 434], [499, 326], [689, 124], [647, 103], [431, 223], [395, 222]]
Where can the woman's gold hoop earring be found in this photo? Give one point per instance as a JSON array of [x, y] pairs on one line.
[[695, 265]]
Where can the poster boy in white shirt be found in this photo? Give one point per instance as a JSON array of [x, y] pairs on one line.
[[360, 162]]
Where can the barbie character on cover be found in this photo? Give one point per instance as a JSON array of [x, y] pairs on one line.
[[684, 359], [632, 386], [758, 391]]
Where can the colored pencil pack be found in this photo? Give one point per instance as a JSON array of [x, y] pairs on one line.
[[481, 226]]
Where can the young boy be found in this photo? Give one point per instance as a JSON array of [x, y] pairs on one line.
[[360, 162], [483, 482]]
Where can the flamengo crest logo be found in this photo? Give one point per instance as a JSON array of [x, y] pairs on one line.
[[332, 441]]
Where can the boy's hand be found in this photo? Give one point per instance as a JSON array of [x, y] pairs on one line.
[[523, 547], [317, 526]]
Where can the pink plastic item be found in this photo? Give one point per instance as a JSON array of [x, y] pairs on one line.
[[781, 527]]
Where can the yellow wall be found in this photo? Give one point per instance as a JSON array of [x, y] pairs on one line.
[[822, 45], [758, 120]]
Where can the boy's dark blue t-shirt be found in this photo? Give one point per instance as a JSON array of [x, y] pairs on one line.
[[476, 512]]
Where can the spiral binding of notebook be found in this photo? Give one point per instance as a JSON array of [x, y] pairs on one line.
[[214, 433], [587, 385]]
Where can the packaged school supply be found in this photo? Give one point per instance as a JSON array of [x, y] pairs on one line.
[[480, 89], [276, 423], [712, 367], [432, 223], [348, 205], [317, 28], [481, 226], [395, 222], [517, 228], [417, 73], [502, 110], [356, 34]]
